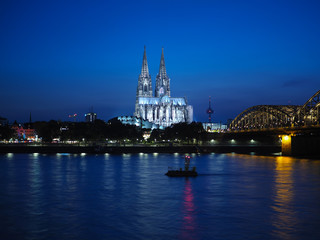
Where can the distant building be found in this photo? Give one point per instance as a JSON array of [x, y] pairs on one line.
[[139, 122], [159, 109], [25, 133], [90, 117], [214, 127]]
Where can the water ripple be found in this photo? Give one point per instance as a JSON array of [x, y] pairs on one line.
[[127, 196]]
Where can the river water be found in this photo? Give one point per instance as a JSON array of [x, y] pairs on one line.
[[69, 196]]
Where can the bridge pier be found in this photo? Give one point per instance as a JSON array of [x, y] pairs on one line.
[[300, 145], [286, 146]]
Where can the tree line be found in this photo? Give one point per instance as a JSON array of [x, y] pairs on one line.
[[100, 130]]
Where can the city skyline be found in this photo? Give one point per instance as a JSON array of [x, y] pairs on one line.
[[62, 58]]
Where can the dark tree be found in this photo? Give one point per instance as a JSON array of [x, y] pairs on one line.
[[6, 132], [118, 131], [47, 130], [185, 132], [156, 135]]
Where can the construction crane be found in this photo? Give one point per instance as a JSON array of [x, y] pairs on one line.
[[74, 116]]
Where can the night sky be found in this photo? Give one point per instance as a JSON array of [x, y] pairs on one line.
[[60, 58]]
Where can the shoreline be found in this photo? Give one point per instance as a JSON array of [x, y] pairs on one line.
[[260, 150]]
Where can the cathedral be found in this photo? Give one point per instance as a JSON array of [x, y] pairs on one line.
[[160, 109]]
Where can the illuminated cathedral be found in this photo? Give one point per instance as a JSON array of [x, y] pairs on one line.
[[160, 109]]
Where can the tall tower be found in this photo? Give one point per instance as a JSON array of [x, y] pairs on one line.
[[144, 88], [30, 121], [162, 80], [209, 110]]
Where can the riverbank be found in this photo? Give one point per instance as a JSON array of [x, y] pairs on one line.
[[261, 150]]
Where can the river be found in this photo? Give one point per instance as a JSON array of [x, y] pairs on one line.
[[82, 196]]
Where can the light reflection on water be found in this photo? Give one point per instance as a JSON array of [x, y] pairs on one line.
[[70, 196], [34, 203], [284, 220], [189, 213]]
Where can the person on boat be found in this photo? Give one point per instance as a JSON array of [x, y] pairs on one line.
[[187, 162]]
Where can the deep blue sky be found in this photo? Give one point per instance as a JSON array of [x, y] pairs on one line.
[[60, 58]]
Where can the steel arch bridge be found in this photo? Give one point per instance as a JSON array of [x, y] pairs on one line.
[[277, 116], [309, 113]]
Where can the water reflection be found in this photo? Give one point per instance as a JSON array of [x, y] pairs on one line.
[[10, 171], [284, 218], [189, 213], [67, 196], [126, 156], [106, 156], [35, 204]]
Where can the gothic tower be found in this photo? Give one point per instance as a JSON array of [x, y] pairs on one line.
[[144, 88], [162, 80]]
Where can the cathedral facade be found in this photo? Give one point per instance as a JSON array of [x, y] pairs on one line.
[[160, 109]]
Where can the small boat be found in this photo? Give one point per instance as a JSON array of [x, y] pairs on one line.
[[183, 173]]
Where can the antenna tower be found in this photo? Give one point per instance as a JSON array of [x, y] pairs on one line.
[[209, 110]]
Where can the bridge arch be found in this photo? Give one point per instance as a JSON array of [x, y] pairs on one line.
[[272, 116], [264, 116], [309, 113]]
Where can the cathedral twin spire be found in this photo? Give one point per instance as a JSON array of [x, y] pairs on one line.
[[144, 83], [159, 108], [162, 80], [145, 69]]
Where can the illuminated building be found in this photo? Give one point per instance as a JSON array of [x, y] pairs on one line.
[[139, 122], [90, 117], [25, 133], [160, 109], [214, 127]]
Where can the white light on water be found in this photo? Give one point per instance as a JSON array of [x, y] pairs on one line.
[[63, 154]]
